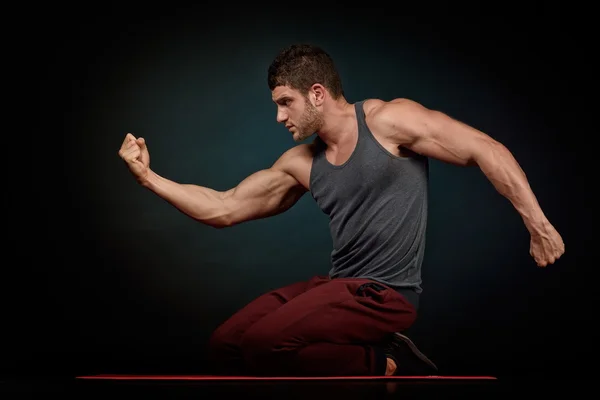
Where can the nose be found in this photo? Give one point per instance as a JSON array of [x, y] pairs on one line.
[[281, 116]]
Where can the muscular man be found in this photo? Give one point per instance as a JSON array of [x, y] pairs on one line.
[[367, 170]]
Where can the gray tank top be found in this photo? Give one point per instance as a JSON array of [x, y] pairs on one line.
[[377, 208]]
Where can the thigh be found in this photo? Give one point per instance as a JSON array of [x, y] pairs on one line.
[[341, 311], [266, 304]]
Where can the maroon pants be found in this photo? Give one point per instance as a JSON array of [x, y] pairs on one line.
[[319, 327]]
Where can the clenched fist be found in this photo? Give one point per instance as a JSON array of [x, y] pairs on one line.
[[135, 154], [546, 245]]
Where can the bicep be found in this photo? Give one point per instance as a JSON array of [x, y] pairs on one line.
[[264, 193]]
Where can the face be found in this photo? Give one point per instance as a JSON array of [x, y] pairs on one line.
[[297, 112]]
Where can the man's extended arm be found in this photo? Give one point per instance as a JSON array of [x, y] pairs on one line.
[[264, 193], [436, 135]]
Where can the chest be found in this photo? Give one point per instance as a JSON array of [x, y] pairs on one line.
[[362, 180]]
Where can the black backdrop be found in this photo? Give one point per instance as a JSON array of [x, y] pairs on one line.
[[104, 277]]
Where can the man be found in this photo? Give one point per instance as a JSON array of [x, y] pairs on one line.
[[367, 170]]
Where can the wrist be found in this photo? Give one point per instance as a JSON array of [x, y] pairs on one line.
[[150, 180], [537, 224]]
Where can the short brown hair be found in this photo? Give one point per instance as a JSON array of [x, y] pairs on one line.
[[302, 65]]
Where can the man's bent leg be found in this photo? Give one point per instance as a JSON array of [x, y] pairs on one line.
[[224, 353], [332, 329]]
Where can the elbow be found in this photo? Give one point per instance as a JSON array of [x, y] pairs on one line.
[[213, 223], [224, 216], [472, 161], [224, 222], [217, 225], [228, 216], [219, 221]]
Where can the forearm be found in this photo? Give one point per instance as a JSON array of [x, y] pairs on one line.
[[200, 203], [503, 171]]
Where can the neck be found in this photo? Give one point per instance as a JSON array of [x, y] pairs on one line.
[[339, 124]]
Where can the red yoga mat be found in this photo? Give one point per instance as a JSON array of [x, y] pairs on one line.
[[274, 378]]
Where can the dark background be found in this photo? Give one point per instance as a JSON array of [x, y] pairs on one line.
[[104, 277]]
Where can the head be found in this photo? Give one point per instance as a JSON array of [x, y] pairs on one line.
[[301, 78]]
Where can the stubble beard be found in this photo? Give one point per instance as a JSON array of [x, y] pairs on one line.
[[310, 122]]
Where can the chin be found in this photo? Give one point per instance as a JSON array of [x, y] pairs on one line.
[[298, 138]]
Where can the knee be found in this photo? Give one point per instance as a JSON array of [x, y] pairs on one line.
[[260, 347], [255, 343], [220, 343]]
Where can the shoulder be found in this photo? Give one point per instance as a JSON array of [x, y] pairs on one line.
[[299, 153], [297, 162], [391, 111], [394, 118]]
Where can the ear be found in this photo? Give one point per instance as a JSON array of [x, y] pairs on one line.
[[318, 93]]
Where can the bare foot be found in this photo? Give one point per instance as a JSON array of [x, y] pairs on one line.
[[391, 367]]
